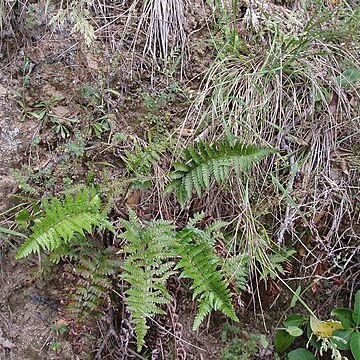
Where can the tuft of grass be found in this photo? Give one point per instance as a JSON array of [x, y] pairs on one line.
[[289, 79], [159, 28]]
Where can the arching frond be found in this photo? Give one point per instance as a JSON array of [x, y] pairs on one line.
[[62, 219], [202, 162]]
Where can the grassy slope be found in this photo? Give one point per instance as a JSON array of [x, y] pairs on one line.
[[281, 76]]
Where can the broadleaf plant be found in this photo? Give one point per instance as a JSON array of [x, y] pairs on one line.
[[331, 335]]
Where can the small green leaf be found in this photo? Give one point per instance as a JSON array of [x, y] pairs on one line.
[[348, 78], [263, 341], [345, 316], [355, 345], [314, 341], [356, 312], [11, 232], [294, 320], [294, 331], [301, 354], [295, 297], [23, 217], [282, 341], [342, 338]]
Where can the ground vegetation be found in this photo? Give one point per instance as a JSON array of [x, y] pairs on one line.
[[179, 179]]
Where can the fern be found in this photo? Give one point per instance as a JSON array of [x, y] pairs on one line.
[[95, 269], [70, 251], [150, 255], [236, 269], [79, 15], [200, 263], [203, 161], [142, 158], [62, 220], [80, 19], [147, 267], [271, 264]]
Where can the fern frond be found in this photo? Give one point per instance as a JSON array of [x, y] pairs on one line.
[[236, 269], [142, 158], [150, 252], [95, 270], [200, 263], [68, 251], [203, 161], [147, 267], [61, 220]]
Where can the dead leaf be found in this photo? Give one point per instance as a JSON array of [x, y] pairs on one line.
[[318, 217], [133, 199], [60, 111], [186, 132], [302, 251], [324, 329], [61, 323], [334, 103], [92, 63], [6, 344], [344, 167], [2, 91], [315, 286]]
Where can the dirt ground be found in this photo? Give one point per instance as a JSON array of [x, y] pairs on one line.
[[29, 307]]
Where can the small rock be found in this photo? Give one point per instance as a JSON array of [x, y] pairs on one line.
[[6, 344], [2, 90]]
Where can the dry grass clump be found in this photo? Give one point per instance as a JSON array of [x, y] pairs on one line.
[[291, 79]]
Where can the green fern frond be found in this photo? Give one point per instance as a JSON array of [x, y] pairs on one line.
[[61, 220], [95, 270], [236, 269], [150, 252], [200, 263], [146, 269], [142, 158], [68, 251], [203, 162]]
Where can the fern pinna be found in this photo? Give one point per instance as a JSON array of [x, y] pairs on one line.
[[62, 220], [203, 161]]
